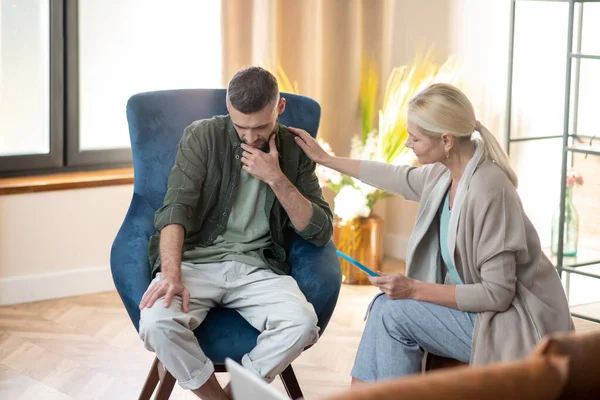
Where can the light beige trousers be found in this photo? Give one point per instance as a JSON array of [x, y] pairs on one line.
[[271, 303]]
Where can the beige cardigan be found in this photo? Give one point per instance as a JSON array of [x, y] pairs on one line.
[[508, 280]]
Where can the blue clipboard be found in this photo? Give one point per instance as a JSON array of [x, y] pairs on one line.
[[357, 264]]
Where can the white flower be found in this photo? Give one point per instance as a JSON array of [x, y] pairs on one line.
[[406, 158], [367, 150], [363, 187], [326, 176], [356, 147], [325, 146], [322, 175], [335, 177], [370, 149], [350, 203]]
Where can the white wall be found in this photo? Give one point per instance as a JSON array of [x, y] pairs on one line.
[[57, 244]]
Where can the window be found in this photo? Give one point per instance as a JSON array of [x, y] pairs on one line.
[[112, 50], [31, 70], [538, 98]]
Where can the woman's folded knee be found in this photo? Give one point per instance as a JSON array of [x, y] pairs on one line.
[[377, 306], [400, 312]]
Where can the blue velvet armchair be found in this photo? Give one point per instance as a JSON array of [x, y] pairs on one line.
[[156, 123]]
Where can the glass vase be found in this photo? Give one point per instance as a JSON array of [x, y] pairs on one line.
[[571, 227]]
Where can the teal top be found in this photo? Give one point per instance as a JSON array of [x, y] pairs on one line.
[[452, 277]]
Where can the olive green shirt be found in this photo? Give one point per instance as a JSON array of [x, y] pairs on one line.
[[247, 228], [203, 183]]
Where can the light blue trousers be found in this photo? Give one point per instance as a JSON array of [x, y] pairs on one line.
[[399, 331]]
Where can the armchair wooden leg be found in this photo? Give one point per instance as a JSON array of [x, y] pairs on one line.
[[291, 383], [166, 387], [220, 368], [151, 381], [157, 373]]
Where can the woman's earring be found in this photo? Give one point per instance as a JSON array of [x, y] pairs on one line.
[[447, 154]]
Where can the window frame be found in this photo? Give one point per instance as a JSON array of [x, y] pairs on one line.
[[75, 157]]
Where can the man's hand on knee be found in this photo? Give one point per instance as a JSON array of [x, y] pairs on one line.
[[167, 287]]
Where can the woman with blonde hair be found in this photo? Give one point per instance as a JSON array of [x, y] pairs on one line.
[[478, 287]]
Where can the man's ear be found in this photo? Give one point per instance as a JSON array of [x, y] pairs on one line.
[[281, 106]]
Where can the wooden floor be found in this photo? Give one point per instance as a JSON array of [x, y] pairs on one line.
[[86, 348]]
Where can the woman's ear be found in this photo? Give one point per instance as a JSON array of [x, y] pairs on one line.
[[447, 142]]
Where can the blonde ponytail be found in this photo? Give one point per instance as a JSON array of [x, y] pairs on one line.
[[494, 152], [443, 108]]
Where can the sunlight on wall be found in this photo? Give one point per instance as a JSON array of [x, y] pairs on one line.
[[478, 35], [133, 46]]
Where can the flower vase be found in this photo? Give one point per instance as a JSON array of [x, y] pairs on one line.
[[571, 227], [361, 239]]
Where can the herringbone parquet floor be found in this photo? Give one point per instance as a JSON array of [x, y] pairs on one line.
[[86, 348]]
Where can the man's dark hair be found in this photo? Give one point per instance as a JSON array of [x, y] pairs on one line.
[[252, 89]]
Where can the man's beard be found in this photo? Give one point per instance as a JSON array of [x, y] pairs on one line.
[[264, 145]]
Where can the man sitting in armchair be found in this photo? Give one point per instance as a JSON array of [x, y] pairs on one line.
[[238, 192]]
